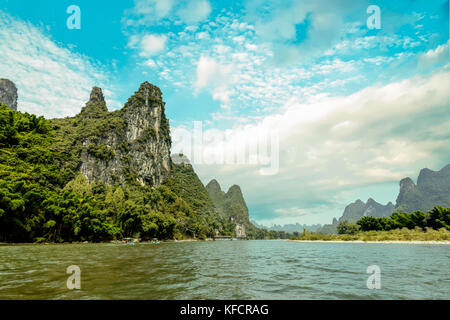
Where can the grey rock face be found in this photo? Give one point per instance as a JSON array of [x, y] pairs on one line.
[[375, 209], [432, 189], [8, 93], [138, 148], [358, 209], [353, 211]]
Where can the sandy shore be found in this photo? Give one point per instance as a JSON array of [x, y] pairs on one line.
[[189, 240], [384, 241]]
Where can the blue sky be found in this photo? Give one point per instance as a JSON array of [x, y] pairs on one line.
[[354, 109]]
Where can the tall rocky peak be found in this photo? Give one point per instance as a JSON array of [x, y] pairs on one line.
[[353, 210], [8, 93], [432, 189], [407, 186], [235, 195], [96, 106], [213, 187], [145, 102], [235, 191], [96, 96], [132, 144], [148, 93]]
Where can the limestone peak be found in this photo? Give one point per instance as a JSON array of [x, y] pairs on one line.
[[96, 106], [96, 95], [213, 185]]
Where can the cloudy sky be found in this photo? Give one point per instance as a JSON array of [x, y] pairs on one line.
[[301, 103]]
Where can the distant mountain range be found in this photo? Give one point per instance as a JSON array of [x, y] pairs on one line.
[[290, 228], [432, 189]]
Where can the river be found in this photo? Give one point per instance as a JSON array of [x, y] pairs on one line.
[[225, 270]]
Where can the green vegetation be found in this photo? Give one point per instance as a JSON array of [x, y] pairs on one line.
[[347, 228], [100, 151], [68, 135], [33, 205], [200, 220], [436, 218], [403, 234]]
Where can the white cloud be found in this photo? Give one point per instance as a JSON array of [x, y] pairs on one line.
[[52, 80], [151, 12], [150, 63], [439, 55], [202, 35], [217, 77], [335, 144], [195, 11], [294, 211], [146, 12], [151, 44]]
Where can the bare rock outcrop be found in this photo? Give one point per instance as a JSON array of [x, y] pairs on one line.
[[8, 93]]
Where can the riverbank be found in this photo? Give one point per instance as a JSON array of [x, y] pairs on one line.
[[111, 241], [412, 236], [381, 241]]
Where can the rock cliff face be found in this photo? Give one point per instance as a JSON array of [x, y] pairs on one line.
[[141, 149], [129, 145], [8, 93]]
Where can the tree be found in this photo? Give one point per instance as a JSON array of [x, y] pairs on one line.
[[438, 218], [369, 223], [345, 227]]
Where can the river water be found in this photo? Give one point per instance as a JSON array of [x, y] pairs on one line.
[[225, 270]]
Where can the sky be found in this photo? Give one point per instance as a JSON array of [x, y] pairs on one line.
[[307, 105]]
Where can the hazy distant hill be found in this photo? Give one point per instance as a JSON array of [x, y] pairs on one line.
[[233, 211], [230, 204], [432, 189], [358, 209], [297, 227]]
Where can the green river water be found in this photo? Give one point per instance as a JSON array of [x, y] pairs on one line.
[[225, 270]]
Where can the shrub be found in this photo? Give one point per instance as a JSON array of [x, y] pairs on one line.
[[100, 151]]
